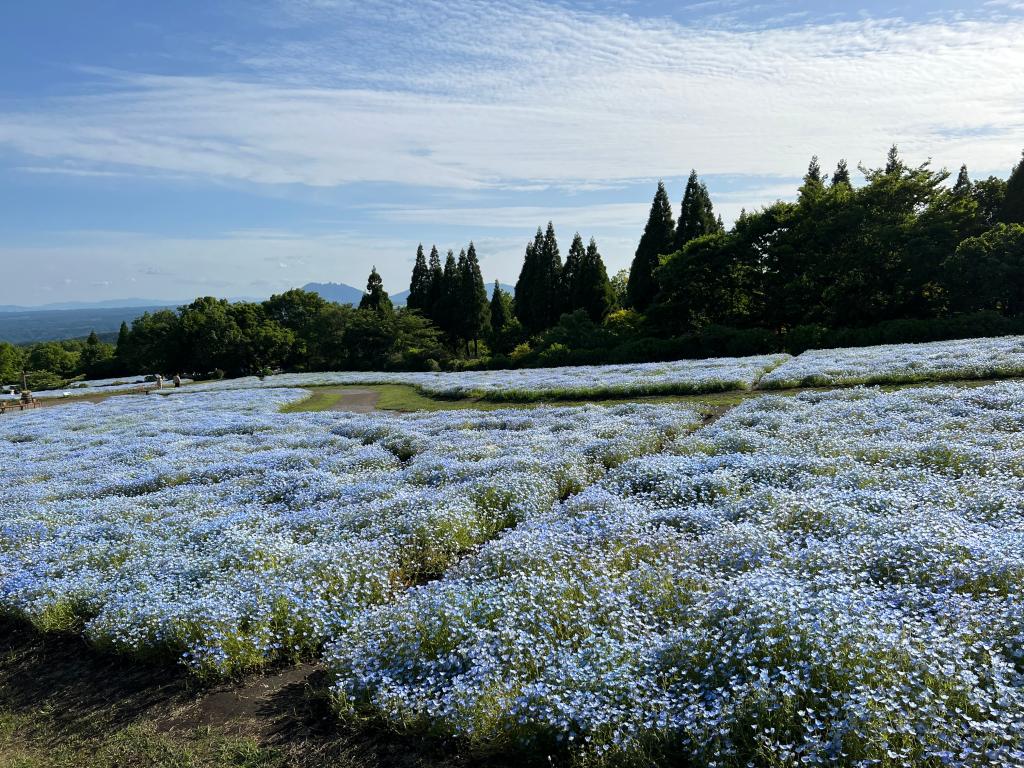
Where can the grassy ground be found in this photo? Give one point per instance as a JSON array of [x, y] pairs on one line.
[[405, 399], [65, 705], [322, 399]]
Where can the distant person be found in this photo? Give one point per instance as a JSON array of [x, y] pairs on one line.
[[177, 380], [159, 381]]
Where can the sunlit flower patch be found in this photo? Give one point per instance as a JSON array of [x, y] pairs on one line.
[[991, 358], [210, 527], [828, 579]]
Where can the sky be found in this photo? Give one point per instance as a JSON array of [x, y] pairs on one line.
[[239, 148]]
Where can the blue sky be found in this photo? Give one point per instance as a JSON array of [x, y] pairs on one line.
[[239, 148]]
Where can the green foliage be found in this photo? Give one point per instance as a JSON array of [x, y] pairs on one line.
[[620, 289], [12, 360], [697, 216], [41, 380], [473, 305], [987, 272], [540, 296], [658, 239], [586, 281], [59, 358], [500, 308], [445, 312], [842, 174], [838, 257], [375, 299], [1012, 210], [420, 285]]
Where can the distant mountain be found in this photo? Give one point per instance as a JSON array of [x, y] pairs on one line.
[[30, 325], [338, 292], [108, 304]]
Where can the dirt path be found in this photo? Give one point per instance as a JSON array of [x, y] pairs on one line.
[[356, 400]]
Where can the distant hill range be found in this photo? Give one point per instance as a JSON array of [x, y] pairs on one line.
[[77, 319], [21, 325], [346, 294]]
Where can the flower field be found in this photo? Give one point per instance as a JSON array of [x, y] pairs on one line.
[[830, 578], [213, 528], [95, 386], [991, 358], [529, 384]]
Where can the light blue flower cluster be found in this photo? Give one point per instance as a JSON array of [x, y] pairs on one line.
[[826, 579], [991, 358], [95, 386], [212, 527], [525, 384]]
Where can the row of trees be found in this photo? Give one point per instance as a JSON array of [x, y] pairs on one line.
[[903, 256], [296, 330], [904, 245], [48, 364], [548, 289], [454, 297], [455, 300]]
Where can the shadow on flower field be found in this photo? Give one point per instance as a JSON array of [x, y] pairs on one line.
[[63, 704]]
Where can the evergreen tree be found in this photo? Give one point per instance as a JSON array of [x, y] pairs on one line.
[[473, 305], [419, 285], [550, 282], [893, 164], [572, 272], [963, 183], [498, 309], [540, 296], [123, 336], [375, 298], [697, 216], [436, 283], [657, 240], [1012, 211], [446, 311], [527, 297], [813, 175], [842, 174], [592, 290]]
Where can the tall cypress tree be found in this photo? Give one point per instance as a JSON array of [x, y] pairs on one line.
[[436, 283], [657, 240], [123, 340], [842, 174], [593, 291], [1012, 211], [550, 282], [697, 216], [572, 273], [498, 309], [963, 183], [528, 298], [448, 296], [476, 317], [893, 164], [375, 298], [419, 285], [813, 174]]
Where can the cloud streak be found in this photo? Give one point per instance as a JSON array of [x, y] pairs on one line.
[[502, 94]]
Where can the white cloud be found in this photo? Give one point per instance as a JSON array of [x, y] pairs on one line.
[[477, 94]]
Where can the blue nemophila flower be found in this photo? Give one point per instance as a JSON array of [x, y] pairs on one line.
[[818, 580], [209, 527]]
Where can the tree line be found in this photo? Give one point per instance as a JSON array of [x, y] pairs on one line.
[[903, 246], [902, 256]]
